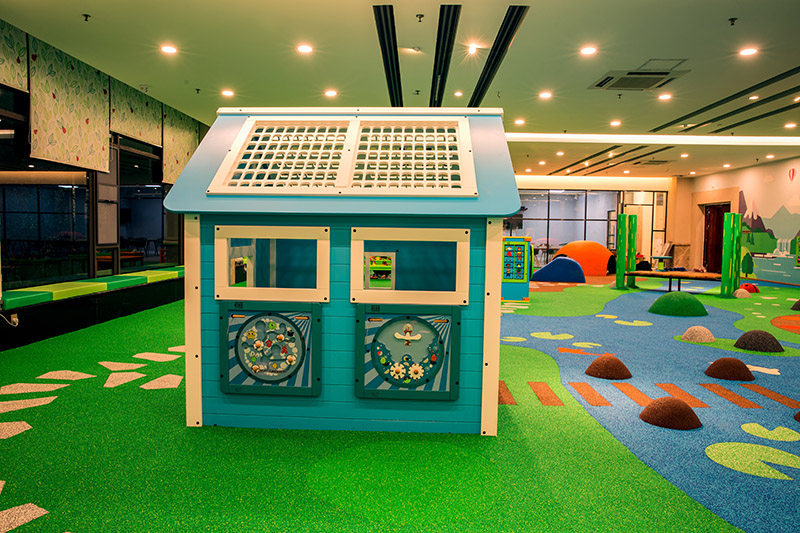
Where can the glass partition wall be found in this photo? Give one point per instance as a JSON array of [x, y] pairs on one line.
[[61, 223], [553, 218]]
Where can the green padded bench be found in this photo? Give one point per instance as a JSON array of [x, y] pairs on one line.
[[17, 298]]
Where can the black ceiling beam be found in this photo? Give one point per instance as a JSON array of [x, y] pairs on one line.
[[505, 35], [749, 107], [730, 98], [445, 39], [387, 37], [631, 159], [612, 158], [759, 117], [587, 158]]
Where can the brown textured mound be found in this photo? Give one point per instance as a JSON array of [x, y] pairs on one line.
[[698, 334], [758, 340], [796, 306], [608, 367], [731, 369], [797, 416], [670, 413], [741, 293]]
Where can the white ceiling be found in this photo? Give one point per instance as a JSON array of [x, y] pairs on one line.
[[250, 47]]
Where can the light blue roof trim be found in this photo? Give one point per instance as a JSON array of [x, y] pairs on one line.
[[497, 189]]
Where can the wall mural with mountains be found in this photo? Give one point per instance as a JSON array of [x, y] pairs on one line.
[[769, 201]]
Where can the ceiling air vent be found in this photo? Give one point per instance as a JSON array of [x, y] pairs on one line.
[[652, 162], [636, 80]]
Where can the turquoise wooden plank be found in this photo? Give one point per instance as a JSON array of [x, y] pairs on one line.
[[338, 424], [339, 401]]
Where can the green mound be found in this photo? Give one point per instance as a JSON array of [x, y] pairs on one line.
[[678, 304]]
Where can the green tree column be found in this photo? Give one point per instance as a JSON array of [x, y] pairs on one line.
[[747, 264], [622, 245], [731, 227], [737, 247], [632, 230]]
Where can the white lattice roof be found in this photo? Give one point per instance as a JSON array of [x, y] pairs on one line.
[[349, 156]]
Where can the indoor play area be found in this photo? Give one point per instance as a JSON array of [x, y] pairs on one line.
[[669, 410]]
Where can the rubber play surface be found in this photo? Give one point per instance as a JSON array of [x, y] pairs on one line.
[[743, 463]]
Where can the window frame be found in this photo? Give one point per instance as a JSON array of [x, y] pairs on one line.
[[222, 288], [359, 294]]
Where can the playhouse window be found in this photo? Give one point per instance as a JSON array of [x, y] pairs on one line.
[[272, 263], [427, 265]]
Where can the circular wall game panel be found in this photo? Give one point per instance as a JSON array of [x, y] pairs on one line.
[[269, 349], [412, 353]]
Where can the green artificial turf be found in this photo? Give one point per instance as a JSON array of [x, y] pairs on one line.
[[728, 345], [121, 459], [746, 307], [578, 300]]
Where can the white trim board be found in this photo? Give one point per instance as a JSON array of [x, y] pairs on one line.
[[358, 294], [222, 288]]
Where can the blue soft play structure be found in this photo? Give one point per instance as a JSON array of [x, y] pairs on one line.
[[561, 269]]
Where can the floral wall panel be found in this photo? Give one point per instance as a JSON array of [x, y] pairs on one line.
[[134, 114], [180, 141], [69, 109], [13, 57]]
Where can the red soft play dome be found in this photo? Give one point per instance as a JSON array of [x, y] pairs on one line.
[[592, 256], [749, 287]]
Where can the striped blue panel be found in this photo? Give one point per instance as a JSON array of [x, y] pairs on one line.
[[237, 375], [374, 379]]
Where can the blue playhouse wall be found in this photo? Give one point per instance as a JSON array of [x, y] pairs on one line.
[[337, 406]]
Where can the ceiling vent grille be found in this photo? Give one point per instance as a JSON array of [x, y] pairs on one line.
[[636, 80], [652, 162]]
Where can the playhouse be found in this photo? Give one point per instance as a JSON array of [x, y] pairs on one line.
[[343, 268]]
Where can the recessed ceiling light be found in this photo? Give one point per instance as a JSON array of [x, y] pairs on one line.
[[544, 95], [458, 93], [790, 125], [227, 92], [542, 162], [665, 96], [473, 48], [610, 154], [586, 163], [748, 51], [305, 49], [615, 123], [168, 49], [568, 171], [559, 153], [519, 122], [527, 170], [797, 99], [754, 97], [692, 173], [30, 166], [684, 155], [588, 50], [626, 171], [726, 165], [330, 93], [770, 156]]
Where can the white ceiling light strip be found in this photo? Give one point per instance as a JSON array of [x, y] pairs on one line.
[[676, 140]]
